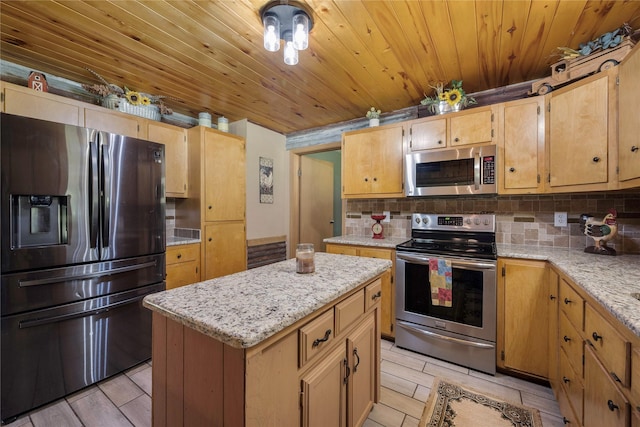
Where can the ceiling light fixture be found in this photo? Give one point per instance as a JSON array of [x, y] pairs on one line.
[[289, 21]]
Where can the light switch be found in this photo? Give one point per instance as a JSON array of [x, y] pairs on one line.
[[560, 219]]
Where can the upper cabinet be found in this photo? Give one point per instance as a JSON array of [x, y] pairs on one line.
[[372, 162], [26, 102], [521, 151], [464, 128], [628, 107], [175, 153], [582, 135], [116, 122]]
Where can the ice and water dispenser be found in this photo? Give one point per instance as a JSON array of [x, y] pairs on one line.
[[39, 220]]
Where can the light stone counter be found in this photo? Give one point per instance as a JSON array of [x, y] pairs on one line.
[[387, 242], [608, 279], [175, 241], [245, 308]]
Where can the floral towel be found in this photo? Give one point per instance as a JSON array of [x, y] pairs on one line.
[[440, 278]]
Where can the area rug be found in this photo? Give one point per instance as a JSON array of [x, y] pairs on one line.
[[452, 405]]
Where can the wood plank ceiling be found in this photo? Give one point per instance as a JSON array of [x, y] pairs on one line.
[[209, 55]]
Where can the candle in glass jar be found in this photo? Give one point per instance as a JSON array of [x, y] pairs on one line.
[[305, 262]]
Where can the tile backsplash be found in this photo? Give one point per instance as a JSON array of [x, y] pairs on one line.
[[520, 219]]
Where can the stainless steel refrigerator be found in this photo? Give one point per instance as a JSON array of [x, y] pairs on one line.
[[83, 241]]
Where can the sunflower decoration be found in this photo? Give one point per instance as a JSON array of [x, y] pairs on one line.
[[145, 100], [454, 96], [133, 97]]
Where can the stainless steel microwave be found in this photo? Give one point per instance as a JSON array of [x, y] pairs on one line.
[[456, 171]]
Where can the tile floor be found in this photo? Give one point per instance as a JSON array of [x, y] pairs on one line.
[[406, 380]]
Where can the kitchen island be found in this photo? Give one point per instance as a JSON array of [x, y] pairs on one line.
[[270, 347]]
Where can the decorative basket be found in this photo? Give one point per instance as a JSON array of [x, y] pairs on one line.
[[147, 111]]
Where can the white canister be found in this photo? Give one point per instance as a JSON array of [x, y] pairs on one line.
[[204, 119], [223, 124]]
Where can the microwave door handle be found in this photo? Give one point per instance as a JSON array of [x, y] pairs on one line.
[[476, 171]]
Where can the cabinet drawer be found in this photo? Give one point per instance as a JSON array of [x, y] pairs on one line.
[[349, 310], [571, 385], [182, 253], [572, 305], [611, 347], [342, 250], [604, 404], [183, 273], [571, 342], [315, 336], [373, 294], [376, 253]]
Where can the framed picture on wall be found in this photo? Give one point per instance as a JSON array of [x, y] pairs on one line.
[[266, 180]]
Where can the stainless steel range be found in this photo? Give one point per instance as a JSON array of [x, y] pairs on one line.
[[446, 289]]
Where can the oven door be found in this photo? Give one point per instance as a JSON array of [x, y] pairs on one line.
[[472, 310]]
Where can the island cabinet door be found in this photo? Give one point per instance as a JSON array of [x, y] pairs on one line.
[[324, 392], [361, 348]]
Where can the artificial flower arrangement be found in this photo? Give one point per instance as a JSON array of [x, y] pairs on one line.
[[453, 98], [373, 113], [132, 97]]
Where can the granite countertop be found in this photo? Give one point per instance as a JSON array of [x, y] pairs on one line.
[[174, 241], [245, 308], [608, 279], [387, 242]]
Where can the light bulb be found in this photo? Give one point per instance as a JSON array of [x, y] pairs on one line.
[[301, 31], [271, 33], [290, 54]]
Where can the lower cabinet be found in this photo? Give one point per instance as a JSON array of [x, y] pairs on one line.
[[225, 248], [183, 265], [387, 304], [523, 307], [604, 404]]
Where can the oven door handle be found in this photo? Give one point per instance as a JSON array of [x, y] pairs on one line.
[[446, 338], [468, 265]]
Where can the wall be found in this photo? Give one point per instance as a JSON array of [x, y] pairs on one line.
[[265, 220], [520, 219]]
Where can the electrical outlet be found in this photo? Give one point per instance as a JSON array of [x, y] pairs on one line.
[[560, 219], [388, 216]]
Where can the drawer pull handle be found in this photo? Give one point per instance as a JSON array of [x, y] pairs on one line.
[[347, 371], [634, 148], [612, 406], [566, 380], [179, 256], [355, 353], [596, 337], [565, 421], [567, 301], [552, 297], [376, 295], [317, 341], [615, 377], [566, 338]]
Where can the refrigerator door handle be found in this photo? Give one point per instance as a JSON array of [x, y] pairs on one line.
[[106, 194], [93, 312], [94, 190], [92, 275]]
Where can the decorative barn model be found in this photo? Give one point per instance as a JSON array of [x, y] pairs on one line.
[[600, 54]]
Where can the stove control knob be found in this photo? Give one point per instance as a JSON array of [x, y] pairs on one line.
[[425, 220], [477, 221], [486, 222], [468, 221], [417, 220]]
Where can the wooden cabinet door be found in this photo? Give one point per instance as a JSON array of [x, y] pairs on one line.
[[578, 134], [522, 161], [115, 122], [553, 346], [604, 405], [428, 135], [324, 392], [356, 163], [525, 316], [27, 102], [361, 351], [175, 153], [635, 379], [386, 160], [471, 128], [224, 176], [225, 249], [628, 107]]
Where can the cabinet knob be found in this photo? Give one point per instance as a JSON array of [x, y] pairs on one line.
[[565, 420], [552, 297], [210, 239], [566, 338], [512, 169], [210, 207], [596, 159], [366, 180], [567, 301], [375, 179], [456, 139], [596, 337], [566, 380], [634, 148], [179, 256], [612, 406], [440, 142]]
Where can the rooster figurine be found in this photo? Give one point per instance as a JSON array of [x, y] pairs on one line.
[[600, 231]]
